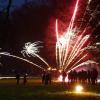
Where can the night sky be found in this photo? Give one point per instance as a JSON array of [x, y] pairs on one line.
[[34, 21], [18, 3]]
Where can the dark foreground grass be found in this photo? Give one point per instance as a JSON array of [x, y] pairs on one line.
[[34, 90]]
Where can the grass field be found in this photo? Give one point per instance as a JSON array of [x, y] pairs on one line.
[[34, 90]]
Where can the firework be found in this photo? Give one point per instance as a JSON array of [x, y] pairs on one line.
[[71, 47], [83, 63], [32, 49], [17, 57], [89, 1]]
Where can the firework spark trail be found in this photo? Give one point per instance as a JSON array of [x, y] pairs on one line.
[[62, 41], [41, 59], [74, 47], [84, 63], [89, 1], [57, 55], [79, 54], [69, 30], [75, 64], [17, 57], [83, 49], [66, 50], [63, 53], [73, 35], [60, 52], [57, 40], [67, 54], [78, 48], [32, 49], [59, 47], [73, 17], [57, 30]]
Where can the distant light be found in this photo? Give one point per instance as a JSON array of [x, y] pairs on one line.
[[98, 80], [78, 89], [98, 43], [60, 78], [54, 69], [49, 68], [60, 71]]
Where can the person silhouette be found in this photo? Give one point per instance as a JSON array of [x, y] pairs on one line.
[[43, 77], [17, 78], [25, 79]]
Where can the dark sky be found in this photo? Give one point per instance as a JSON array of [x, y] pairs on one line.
[[19, 3]]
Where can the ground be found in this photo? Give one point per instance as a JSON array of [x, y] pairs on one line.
[[34, 90]]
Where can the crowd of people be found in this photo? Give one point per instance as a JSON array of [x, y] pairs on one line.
[[89, 76]]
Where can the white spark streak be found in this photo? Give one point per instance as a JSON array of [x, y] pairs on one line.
[[32, 49], [17, 57]]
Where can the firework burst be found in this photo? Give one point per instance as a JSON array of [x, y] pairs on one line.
[[32, 49], [71, 47]]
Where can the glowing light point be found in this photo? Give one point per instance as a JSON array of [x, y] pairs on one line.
[[60, 78], [49, 68], [60, 70], [78, 89], [98, 43]]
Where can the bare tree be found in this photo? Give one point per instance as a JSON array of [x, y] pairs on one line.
[[8, 9]]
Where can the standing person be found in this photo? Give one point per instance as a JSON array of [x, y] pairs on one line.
[[43, 77], [25, 79], [17, 78], [94, 76], [69, 77], [74, 76], [89, 76], [46, 78]]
